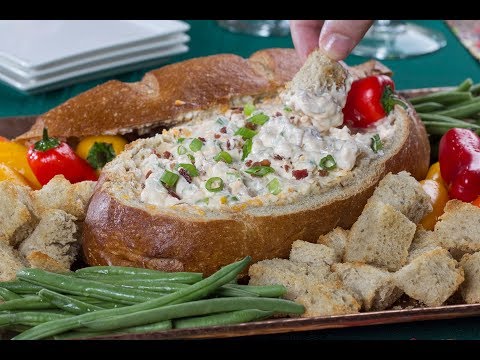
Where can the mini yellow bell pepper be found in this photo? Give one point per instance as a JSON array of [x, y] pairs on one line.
[[439, 196], [98, 150], [14, 155], [435, 174], [7, 173]]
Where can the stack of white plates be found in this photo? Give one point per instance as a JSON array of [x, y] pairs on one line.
[[40, 55]]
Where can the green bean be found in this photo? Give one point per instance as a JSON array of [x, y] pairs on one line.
[[67, 303], [32, 302], [447, 120], [465, 85], [156, 285], [162, 325], [195, 308], [179, 277], [229, 318], [475, 89], [428, 107], [76, 286], [193, 292], [463, 111], [233, 292], [6, 295], [29, 317], [20, 287], [442, 97], [263, 291]]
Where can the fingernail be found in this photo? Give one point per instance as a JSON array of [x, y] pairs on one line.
[[337, 46]]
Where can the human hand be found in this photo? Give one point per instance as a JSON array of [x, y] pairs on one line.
[[336, 38]]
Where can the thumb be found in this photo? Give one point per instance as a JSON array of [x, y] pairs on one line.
[[339, 37]]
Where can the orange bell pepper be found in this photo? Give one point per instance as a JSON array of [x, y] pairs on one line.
[[14, 155], [439, 195]]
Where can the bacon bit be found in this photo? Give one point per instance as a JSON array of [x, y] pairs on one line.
[[171, 192], [323, 172], [249, 163], [292, 117], [237, 108], [179, 102], [172, 166], [278, 157], [278, 113], [185, 175], [167, 154], [216, 136], [300, 174], [149, 172], [229, 146], [286, 167], [264, 162], [250, 125], [223, 130], [156, 153], [202, 139]]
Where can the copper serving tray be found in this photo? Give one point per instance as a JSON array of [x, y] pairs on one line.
[[12, 126]]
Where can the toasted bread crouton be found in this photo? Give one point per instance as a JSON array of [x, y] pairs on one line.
[[456, 230], [16, 218], [336, 240], [319, 296], [40, 260], [10, 262], [470, 288], [431, 277], [54, 237], [405, 194], [423, 241], [60, 194], [327, 299], [372, 287], [312, 254], [381, 236]]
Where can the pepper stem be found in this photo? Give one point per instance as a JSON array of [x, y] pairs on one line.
[[47, 142]]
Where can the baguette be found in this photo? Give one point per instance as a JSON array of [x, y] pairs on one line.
[[121, 229]]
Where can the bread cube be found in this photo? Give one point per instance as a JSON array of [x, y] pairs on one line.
[[336, 240], [470, 288], [423, 241]]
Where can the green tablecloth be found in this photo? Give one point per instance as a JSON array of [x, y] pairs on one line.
[[449, 66]]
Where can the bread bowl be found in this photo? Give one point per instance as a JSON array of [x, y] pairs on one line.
[[122, 229]]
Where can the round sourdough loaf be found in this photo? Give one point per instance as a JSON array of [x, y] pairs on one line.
[[121, 230]]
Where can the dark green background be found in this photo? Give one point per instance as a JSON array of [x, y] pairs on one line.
[[449, 66]]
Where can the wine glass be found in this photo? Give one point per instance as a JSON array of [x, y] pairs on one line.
[[397, 39], [263, 28]]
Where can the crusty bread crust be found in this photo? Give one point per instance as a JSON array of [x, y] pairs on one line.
[[117, 232]]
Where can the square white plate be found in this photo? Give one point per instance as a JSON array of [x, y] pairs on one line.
[[124, 64], [37, 44], [94, 60]]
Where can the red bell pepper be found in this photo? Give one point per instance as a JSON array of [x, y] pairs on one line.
[[369, 100], [50, 156], [459, 156]]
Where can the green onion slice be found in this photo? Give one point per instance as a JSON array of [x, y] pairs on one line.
[[287, 108], [169, 178], [248, 109], [247, 148], [259, 170], [376, 144], [182, 150], [274, 187], [196, 145], [192, 158], [328, 163], [245, 133], [223, 156], [214, 184], [258, 119], [191, 169], [180, 140]]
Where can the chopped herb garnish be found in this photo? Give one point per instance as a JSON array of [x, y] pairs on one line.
[[196, 145], [191, 169], [222, 121], [376, 144], [245, 133], [259, 170], [234, 174], [180, 140], [214, 184], [204, 200], [328, 163], [169, 179], [247, 148], [181, 150], [274, 187], [192, 158], [248, 109], [258, 119], [234, 198], [223, 156]]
